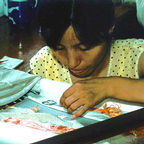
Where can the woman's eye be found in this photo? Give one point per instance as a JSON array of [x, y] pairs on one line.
[[60, 47], [82, 47]]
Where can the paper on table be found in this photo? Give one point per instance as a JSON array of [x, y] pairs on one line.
[[54, 94], [10, 62], [22, 135], [49, 90], [124, 106], [28, 114], [53, 90], [15, 134]]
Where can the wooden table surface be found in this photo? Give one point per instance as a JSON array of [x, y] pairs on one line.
[[18, 43]]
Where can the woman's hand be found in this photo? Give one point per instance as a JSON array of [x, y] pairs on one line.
[[85, 94], [88, 93]]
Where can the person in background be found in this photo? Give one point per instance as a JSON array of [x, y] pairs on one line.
[[139, 8], [140, 11], [80, 50], [127, 24]]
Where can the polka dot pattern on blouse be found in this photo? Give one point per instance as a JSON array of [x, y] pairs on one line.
[[124, 57], [45, 65]]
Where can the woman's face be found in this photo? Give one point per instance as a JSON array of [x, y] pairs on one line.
[[81, 61]]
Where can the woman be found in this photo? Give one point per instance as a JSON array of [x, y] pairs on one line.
[[81, 51]]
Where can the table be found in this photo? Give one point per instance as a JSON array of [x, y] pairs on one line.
[[18, 43], [92, 130], [23, 44]]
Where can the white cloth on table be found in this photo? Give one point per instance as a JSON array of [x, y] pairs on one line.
[[14, 84]]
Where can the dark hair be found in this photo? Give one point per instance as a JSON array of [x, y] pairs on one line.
[[91, 20]]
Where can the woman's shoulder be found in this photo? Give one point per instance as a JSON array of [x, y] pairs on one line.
[[129, 43], [124, 57], [44, 51], [125, 47], [45, 65]]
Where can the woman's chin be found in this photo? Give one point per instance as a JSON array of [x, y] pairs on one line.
[[80, 75]]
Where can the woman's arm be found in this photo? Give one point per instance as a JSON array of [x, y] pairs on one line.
[[86, 94], [127, 89], [141, 66]]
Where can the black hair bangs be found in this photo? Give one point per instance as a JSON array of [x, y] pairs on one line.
[[54, 19], [91, 20]]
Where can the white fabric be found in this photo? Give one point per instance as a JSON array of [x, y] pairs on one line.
[[14, 84], [1, 8], [140, 11], [53, 90], [10, 62], [125, 1]]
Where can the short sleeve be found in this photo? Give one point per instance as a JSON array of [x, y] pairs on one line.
[[124, 58], [45, 65], [37, 62]]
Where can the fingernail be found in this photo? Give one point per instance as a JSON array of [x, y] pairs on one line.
[[73, 116]]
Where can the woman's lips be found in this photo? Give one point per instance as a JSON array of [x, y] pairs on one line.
[[77, 71]]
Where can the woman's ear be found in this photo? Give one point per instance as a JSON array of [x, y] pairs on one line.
[[111, 29]]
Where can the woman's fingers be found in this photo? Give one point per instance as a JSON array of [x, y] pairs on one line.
[[75, 106], [80, 112], [69, 92], [82, 96], [70, 100]]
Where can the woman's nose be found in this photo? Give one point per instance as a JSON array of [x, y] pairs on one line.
[[73, 60]]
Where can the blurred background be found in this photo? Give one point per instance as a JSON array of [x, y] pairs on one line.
[[20, 37]]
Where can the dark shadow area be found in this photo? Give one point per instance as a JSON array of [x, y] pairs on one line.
[[127, 26]]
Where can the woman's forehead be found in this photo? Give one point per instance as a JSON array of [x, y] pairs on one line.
[[70, 36]]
